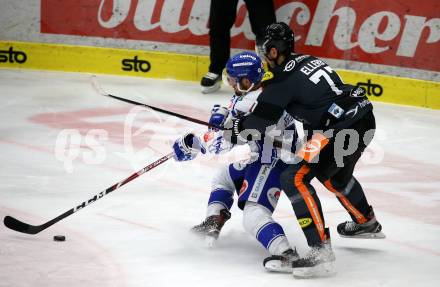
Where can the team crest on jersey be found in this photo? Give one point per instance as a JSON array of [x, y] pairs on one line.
[[289, 66], [357, 92], [267, 76]]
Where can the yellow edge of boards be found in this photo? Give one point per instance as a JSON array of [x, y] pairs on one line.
[[152, 64]]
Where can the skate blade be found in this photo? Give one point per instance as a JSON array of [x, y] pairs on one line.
[[277, 266], [379, 235], [210, 241], [212, 89], [326, 269]]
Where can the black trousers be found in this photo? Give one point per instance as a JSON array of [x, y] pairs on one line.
[[339, 179], [222, 15]]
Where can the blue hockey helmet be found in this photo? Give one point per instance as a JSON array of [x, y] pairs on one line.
[[245, 65]]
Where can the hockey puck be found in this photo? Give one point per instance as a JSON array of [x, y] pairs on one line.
[[59, 238]]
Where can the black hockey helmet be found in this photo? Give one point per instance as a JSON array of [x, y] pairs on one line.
[[279, 36]]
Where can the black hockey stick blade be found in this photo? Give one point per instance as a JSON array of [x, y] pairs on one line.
[[20, 226]]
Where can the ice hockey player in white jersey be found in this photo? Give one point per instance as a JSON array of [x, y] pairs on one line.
[[256, 182]]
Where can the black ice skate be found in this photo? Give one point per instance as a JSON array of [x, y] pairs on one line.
[[281, 263], [319, 262], [368, 230], [211, 227], [210, 83]]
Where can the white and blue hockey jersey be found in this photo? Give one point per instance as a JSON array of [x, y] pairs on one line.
[[239, 106]]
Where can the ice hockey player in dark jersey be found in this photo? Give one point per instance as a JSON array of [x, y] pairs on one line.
[[312, 92], [257, 183]]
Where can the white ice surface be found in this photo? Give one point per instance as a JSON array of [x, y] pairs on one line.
[[138, 235]]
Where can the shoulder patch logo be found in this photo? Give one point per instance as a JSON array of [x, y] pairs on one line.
[[289, 66]]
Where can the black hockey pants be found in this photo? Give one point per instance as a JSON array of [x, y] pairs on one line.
[[295, 181]]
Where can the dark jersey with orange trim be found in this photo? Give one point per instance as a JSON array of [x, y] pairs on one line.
[[312, 92]]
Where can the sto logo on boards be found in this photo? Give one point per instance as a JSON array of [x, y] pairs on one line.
[[136, 65], [12, 56], [370, 88]]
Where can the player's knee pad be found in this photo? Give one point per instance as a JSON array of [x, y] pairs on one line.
[[257, 220], [255, 216]]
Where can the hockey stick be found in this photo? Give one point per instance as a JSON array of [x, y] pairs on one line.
[[20, 226], [103, 93], [307, 152]]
